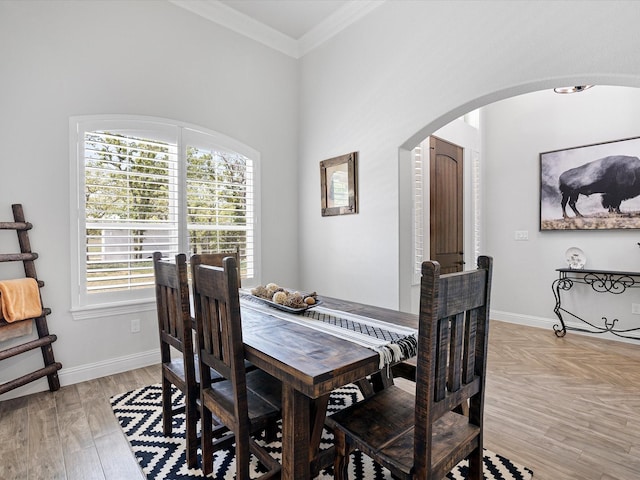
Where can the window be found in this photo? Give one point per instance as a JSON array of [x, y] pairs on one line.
[[146, 185]]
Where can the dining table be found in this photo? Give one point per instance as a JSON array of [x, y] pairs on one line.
[[311, 364]]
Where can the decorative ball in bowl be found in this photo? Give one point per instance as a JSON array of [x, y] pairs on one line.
[[280, 296]]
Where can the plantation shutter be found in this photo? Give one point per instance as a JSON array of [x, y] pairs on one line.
[[220, 203], [418, 211], [131, 208]]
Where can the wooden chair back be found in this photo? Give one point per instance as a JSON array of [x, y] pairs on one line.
[[174, 327], [451, 361], [220, 347], [215, 260], [218, 321], [172, 303]]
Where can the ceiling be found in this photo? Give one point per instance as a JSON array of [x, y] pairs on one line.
[[293, 18], [293, 27]]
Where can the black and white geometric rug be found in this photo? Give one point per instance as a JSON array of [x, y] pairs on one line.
[[139, 413]]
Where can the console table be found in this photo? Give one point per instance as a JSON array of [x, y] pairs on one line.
[[600, 281]]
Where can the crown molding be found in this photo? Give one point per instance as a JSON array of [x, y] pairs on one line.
[[226, 16], [335, 23]]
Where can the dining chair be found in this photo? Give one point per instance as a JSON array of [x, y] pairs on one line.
[[246, 402], [178, 358], [174, 326], [419, 436], [215, 259]]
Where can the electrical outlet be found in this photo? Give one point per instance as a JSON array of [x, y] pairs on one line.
[[521, 235], [135, 325], [635, 308]]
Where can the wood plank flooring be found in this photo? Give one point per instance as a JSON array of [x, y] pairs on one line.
[[569, 408]]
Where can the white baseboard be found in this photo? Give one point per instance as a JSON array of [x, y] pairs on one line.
[[548, 323], [528, 320], [90, 371]]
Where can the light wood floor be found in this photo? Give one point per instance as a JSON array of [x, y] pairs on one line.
[[567, 408]]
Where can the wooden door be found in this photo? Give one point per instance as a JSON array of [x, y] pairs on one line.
[[446, 200]]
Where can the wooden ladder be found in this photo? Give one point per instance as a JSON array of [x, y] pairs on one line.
[[45, 339]]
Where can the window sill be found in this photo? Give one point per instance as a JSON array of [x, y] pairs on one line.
[[110, 309]]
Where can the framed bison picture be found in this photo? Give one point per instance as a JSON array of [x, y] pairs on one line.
[[593, 187]]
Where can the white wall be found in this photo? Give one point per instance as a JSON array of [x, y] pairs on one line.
[[407, 69], [65, 58], [379, 88], [515, 132]]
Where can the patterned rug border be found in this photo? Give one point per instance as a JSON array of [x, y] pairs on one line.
[[139, 414]]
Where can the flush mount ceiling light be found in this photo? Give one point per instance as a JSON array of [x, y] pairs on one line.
[[576, 89]]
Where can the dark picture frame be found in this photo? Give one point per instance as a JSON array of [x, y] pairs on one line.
[[339, 185], [591, 187]]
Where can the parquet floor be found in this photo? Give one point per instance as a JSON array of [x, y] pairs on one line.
[[567, 408]]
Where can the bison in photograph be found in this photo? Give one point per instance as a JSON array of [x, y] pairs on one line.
[[616, 177]]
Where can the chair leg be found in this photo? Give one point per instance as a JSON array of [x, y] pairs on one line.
[[476, 465], [191, 419], [206, 421], [167, 410], [243, 456], [341, 459], [271, 432]]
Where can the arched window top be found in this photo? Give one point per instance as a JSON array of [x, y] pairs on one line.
[[146, 184]]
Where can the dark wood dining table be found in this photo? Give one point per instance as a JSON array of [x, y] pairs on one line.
[[310, 365]]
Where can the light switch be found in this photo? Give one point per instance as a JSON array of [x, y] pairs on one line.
[[135, 325]]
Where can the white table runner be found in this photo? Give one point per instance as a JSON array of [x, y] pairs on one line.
[[392, 342]]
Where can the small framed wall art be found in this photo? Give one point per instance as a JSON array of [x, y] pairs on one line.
[[339, 185]]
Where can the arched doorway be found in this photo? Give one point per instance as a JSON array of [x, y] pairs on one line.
[[587, 126]]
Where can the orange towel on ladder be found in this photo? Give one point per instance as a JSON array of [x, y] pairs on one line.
[[20, 299]]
